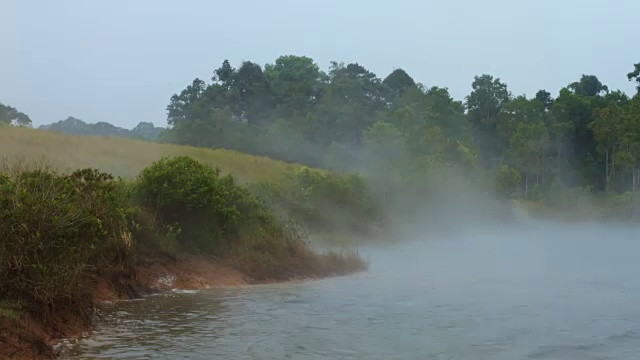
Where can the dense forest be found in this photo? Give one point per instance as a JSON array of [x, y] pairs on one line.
[[585, 137], [404, 135]]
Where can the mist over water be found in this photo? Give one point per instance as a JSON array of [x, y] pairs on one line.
[[536, 291]]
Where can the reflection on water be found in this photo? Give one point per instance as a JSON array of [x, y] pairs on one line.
[[544, 293]]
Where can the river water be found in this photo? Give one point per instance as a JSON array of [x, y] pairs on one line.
[[541, 292]]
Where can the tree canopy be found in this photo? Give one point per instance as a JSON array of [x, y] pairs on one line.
[[9, 115], [587, 135]]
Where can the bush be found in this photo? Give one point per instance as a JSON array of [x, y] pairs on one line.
[[203, 210], [194, 203], [279, 252], [322, 199], [57, 233]]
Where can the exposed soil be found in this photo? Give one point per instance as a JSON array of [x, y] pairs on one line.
[[29, 339], [32, 340], [188, 272]]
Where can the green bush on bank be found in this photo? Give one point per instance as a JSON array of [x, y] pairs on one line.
[[322, 199], [57, 234], [192, 203]]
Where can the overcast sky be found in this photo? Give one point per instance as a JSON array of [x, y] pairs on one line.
[[120, 61]]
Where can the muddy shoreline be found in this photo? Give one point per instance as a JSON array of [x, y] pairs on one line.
[[153, 275]]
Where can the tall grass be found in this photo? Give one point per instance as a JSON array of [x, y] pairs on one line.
[[127, 157], [67, 219], [319, 199]]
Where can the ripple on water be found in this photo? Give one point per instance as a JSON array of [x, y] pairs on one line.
[[546, 295]]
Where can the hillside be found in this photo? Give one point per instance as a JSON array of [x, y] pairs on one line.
[[126, 157], [71, 125], [174, 215]]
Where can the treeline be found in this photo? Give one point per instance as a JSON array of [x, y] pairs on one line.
[[587, 136], [71, 125], [143, 131]]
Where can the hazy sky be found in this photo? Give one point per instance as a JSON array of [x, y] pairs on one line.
[[120, 61]]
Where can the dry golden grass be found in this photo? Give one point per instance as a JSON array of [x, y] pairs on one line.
[[126, 157]]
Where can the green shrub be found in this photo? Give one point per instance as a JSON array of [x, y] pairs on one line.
[[202, 210], [279, 251], [322, 199], [194, 203], [57, 233]]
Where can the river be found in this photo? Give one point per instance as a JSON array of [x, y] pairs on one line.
[[539, 292]]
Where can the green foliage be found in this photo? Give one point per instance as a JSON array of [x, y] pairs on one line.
[[9, 115], [508, 181], [322, 199], [190, 202], [57, 233], [350, 120], [278, 252], [635, 75], [193, 202]]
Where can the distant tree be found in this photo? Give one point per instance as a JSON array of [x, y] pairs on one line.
[[350, 119], [398, 83], [180, 105], [484, 103], [296, 82], [10, 115], [589, 85], [250, 94], [607, 127], [71, 125], [545, 98], [635, 75], [146, 131]]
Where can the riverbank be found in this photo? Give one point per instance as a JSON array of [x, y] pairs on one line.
[[33, 339], [71, 240]]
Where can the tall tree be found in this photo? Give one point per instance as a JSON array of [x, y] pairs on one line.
[[484, 103], [180, 105], [589, 85], [398, 83], [635, 75], [296, 82], [607, 126], [250, 94], [528, 148], [10, 115], [545, 98]]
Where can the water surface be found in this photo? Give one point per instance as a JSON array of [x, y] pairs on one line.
[[542, 292]]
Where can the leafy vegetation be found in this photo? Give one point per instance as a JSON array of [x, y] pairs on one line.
[[399, 133], [323, 200], [10, 115], [58, 233], [202, 210], [62, 233]]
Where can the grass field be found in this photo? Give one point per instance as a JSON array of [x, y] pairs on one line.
[[126, 157]]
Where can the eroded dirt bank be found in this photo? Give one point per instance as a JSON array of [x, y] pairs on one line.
[[27, 339]]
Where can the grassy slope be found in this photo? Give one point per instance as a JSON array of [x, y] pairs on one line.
[[121, 157], [126, 157]]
